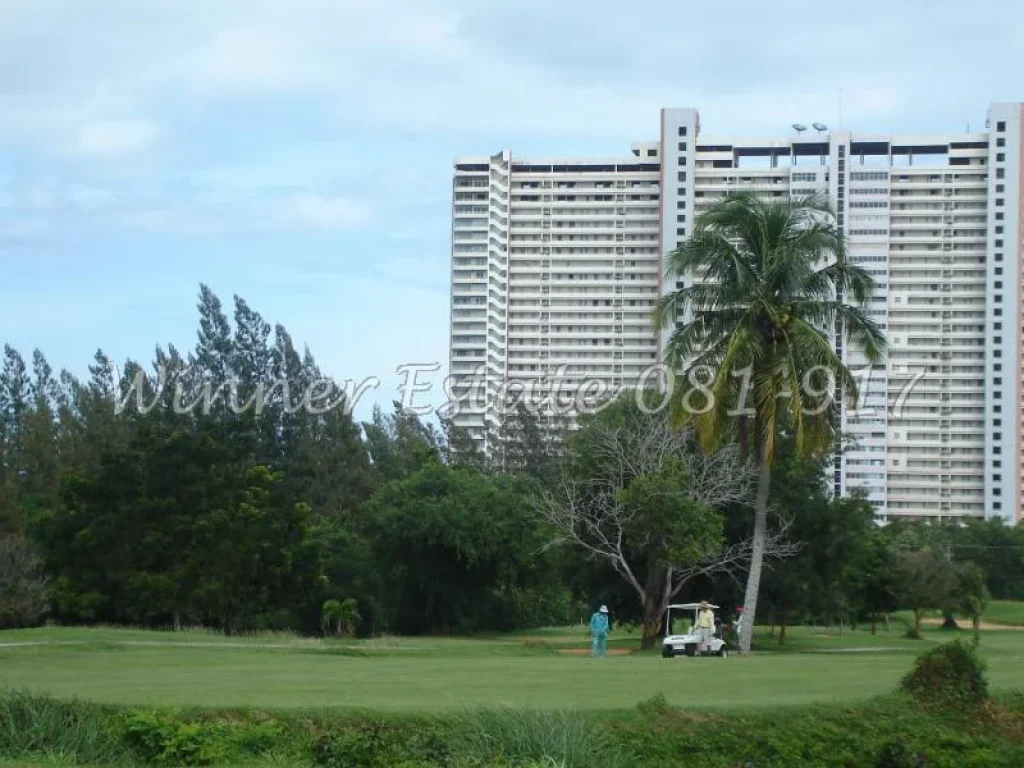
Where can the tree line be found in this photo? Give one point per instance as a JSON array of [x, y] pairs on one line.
[[299, 518], [243, 495], [252, 517]]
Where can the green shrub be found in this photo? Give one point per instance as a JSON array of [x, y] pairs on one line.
[[656, 706], [159, 739], [164, 738], [896, 754], [950, 675], [376, 744]]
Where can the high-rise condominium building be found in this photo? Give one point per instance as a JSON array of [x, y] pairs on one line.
[[557, 262]]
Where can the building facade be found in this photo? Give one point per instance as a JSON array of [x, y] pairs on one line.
[[557, 263]]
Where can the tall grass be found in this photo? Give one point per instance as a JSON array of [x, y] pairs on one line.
[[534, 738], [33, 725]]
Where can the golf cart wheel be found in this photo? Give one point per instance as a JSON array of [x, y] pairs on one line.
[[723, 652], [666, 652], [690, 649]]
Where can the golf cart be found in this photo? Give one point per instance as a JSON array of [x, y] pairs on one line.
[[688, 644]]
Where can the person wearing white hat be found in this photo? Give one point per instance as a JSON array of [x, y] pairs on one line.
[[599, 632]]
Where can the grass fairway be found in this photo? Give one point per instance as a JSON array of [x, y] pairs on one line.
[[433, 675], [1005, 612]]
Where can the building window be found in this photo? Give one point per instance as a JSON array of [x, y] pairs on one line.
[[1000, 157], [1000, 142], [999, 283], [681, 217], [682, 146], [999, 270], [999, 202], [1000, 188], [680, 203], [997, 491], [1000, 173], [999, 257], [999, 243], [681, 232], [682, 175], [997, 478], [999, 229], [652, 153], [996, 505], [682, 191], [999, 215], [999, 326], [682, 130], [1001, 126], [997, 382]]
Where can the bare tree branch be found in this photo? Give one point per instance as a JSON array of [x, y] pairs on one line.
[[586, 513]]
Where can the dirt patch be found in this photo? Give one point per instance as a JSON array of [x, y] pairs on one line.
[[967, 625], [586, 651]]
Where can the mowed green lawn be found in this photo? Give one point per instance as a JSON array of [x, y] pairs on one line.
[[436, 674], [1005, 612]]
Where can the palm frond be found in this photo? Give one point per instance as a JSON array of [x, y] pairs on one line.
[[764, 284]]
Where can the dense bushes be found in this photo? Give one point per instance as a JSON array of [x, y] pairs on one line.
[[887, 733], [950, 675], [23, 587]]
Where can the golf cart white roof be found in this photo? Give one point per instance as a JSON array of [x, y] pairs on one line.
[[690, 606]]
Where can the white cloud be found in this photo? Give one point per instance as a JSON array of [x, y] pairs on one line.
[[115, 137], [324, 212]]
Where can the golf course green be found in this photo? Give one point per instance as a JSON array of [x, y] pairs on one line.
[[545, 670]]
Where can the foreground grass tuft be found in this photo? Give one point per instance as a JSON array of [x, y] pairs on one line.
[[563, 739], [62, 730]]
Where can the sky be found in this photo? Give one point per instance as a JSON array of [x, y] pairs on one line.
[[299, 154]]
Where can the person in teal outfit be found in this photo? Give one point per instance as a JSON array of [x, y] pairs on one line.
[[599, 633]]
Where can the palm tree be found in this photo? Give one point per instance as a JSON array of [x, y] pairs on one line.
[[769, 281]]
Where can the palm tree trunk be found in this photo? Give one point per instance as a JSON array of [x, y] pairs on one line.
[[764, 481]]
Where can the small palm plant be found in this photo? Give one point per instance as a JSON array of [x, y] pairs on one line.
[[340, 616]]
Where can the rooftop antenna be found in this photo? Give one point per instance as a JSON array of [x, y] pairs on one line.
[[820, 127], [799, 127]]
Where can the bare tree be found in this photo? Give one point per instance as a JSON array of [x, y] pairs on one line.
[[586, 509]]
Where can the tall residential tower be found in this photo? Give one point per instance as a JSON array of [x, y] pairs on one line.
[[557, 262]]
